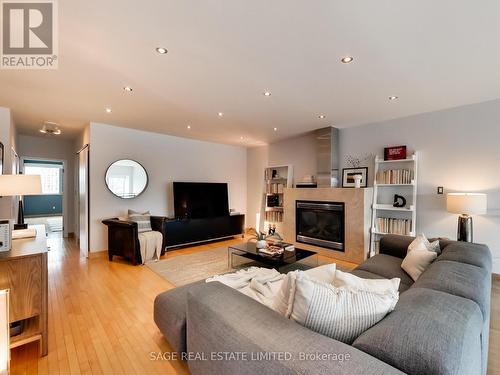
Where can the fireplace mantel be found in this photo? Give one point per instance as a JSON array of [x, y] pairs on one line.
[[357, 219]]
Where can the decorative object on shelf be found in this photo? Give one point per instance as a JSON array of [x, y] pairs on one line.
[[4, 332], [395, 153], [348, 177], [466, 204], [399, 201], [357, 181], [273, 201], [5, 235], [126, 178], [20, 185], [352, 161]]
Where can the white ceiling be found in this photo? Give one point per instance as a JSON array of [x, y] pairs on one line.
[[223, 54]]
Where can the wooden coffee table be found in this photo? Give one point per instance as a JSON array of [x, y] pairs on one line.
[[248, 250]]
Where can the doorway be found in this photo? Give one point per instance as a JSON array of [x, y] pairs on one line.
[[47, 208]]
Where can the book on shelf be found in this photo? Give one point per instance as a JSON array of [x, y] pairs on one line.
[[395, 176], [274, 188], [394, 226], [274, 216]]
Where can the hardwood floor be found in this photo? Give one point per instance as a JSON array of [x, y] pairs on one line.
[[101, 317]]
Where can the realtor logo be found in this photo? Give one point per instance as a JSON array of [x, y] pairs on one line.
[[29, 38]]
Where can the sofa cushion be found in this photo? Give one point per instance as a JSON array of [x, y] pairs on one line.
[[460, 279], [170, 315], [429, 332], [466, 252], [386, 266]]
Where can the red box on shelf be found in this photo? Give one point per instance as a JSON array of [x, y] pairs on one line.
[[395, 153]]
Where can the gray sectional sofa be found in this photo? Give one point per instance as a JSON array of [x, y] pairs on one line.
[[439, 326]]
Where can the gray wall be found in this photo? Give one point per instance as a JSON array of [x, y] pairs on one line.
[[458, 148]]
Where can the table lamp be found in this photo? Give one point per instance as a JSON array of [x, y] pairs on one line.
[[466, 204], [20, 184], [4, 332]]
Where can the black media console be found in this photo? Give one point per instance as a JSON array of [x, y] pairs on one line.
[[190, 231]]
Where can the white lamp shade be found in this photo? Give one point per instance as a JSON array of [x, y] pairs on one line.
[[4, 332], [20, 184], [467, 203]]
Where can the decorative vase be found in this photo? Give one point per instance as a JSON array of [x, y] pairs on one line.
[[357, 181], [261, 244]]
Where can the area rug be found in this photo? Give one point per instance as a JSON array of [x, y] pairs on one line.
[[185, 269]]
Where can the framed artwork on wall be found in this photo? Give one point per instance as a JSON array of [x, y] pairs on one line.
[[348, 177]]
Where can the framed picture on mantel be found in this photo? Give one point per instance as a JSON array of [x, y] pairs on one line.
[[349, 177]]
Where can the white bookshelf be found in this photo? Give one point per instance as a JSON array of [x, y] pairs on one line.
[[274, 188], [388, 181]]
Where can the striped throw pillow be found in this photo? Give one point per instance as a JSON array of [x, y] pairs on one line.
[[143, 220], [340, 313]]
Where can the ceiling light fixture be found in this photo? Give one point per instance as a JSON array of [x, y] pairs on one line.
[[347, 59], [393, 97], [128, 88], [161, 50], [220, 114], [242, 138], [109, 110], [267, 93], [275, 129], [321, 117], [50, 128], [189, 126]]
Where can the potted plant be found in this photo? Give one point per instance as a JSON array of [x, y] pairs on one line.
[[261, 238]]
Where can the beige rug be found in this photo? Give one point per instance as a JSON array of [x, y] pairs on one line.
[[185, 269]]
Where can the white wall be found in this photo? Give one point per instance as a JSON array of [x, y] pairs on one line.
[[54, 149], [166, 159], [459, 149]]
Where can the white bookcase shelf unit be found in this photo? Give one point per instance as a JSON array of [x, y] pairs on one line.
[[276, 179], [394, 177]]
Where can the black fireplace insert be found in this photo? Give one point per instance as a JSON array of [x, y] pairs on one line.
[[320, 223]]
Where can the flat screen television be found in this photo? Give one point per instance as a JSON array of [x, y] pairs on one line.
[[199, 200]]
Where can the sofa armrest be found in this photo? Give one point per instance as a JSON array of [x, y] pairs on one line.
[[230, 333], [115, 222]]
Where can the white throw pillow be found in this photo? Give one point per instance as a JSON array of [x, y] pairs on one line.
[[421, 253], [353, 282], [422, 243], [340, 313], [284, 298]]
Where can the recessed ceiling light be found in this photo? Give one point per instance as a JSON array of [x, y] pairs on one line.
[[109, 110], [322, 117], [347, 59], [220, 114], [161, 50], [275, 129], [267, 93], [393, 97], [242, 138], [128, 88], [189, 126]]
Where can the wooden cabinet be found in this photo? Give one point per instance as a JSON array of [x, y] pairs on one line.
[[23, 271]]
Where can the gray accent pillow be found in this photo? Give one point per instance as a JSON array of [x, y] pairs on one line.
[[143, 220]]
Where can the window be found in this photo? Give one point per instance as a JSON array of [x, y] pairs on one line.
[[50, 175]]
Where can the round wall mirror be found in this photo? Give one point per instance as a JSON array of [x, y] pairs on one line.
[[126, 178]]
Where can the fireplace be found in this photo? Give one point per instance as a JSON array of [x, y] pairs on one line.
[[320, 224]]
